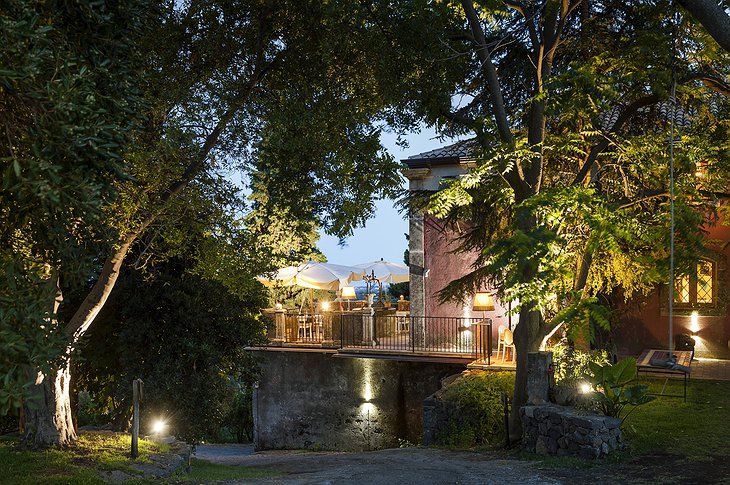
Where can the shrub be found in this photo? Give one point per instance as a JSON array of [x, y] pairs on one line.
[[572, 364], [473, 404], [615, 393], [571, 369]]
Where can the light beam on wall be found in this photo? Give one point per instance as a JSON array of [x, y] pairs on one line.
[[694, 325], [367, 377]]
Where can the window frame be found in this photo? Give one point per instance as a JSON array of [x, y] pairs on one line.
[[693, 284]]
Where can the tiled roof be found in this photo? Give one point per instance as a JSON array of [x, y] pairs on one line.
[[461, 151], [683, 116]]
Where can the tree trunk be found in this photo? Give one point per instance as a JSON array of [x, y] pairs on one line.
[[48, 411], [713, 17], [49, 420], [528, 338]]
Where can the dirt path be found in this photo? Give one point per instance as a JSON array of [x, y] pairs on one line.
[[400, 466]]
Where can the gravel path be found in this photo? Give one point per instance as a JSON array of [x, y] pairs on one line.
[[398, 466]]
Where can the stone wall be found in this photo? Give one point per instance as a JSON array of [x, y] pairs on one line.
[[322, 400], [560, 430], [436, 414]]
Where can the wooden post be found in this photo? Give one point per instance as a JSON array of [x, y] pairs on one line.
[[505, 408], [21, 418], [137, 395]]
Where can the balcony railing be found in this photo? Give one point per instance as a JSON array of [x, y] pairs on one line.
[[392, 332], [413, 334]]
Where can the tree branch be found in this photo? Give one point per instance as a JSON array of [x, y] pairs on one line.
[[713, 18], [716, 84], [625, 203], [598, 148], [490, 73]]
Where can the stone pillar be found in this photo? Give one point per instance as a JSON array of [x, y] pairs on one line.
[[368, 327], [328, 323], [280, 327], [539, 366], [417, 277]]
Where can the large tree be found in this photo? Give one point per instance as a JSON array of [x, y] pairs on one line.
[[69, 95], [271, 89], [570, 106]]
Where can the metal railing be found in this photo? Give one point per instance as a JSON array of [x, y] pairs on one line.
[[414, 334], [385, 331], [308, 328]]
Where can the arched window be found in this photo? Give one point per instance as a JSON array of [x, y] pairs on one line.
[[699, 287]]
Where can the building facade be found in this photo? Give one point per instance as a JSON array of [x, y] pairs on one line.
[[700, 308]]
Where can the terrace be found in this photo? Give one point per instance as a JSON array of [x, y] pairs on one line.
[[389, 333]]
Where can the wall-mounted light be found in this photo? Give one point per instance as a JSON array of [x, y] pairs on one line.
[[279, 306], [325, 306]]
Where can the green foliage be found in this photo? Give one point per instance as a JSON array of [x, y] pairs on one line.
[[573, 364], [68, 99], [30, 336], [615, 393], [583, 315], [474, 408], [184, 337], [239, 418], [571, 372]]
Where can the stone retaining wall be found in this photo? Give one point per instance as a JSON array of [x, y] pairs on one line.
[[561, 430], [322, 400]]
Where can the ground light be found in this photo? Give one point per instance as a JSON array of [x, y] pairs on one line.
[[585, 388], [158, 427]]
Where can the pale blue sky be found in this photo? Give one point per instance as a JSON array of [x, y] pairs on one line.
[[383, 236]]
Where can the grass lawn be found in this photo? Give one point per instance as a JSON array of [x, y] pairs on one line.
[[94, 453], [669, 440], [694, 429]]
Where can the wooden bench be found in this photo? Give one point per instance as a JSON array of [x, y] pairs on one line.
[[648, 363]]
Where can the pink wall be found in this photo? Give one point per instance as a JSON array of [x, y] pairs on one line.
[[647, 324], [444, 266], [644, 325]]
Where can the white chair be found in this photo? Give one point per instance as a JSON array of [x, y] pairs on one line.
[[402, 319], [509, 343], [500, 341], [319, 325], [305, 326]]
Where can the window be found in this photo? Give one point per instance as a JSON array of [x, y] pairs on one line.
[[697, 288]]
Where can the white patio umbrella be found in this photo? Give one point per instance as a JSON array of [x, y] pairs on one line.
[[386, 272], [314, 275]]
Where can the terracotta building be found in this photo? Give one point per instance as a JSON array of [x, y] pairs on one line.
[[701, 298]]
